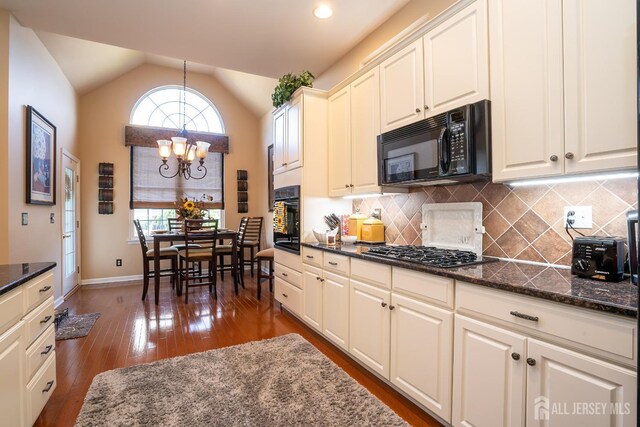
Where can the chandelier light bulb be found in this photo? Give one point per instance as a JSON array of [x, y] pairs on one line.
[[164, 147], [323, 11], [202, 150], [179, 145]]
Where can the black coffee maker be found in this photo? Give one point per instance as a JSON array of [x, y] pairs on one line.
[[632, 241]]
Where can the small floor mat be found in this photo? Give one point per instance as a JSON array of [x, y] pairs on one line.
[[76, 326]]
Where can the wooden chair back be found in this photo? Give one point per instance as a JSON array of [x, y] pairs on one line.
[[200, 235], [175, 224], [141, 237], [253, 230]]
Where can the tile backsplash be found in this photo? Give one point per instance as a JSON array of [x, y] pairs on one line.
[[525, 223]]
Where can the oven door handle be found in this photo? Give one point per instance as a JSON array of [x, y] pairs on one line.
[[444, 151]]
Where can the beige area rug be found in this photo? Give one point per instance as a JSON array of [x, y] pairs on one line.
[[283, 381]]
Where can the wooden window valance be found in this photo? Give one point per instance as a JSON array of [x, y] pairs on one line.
[[146, 136]]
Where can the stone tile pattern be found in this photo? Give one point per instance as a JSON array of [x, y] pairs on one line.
[[523, 223]]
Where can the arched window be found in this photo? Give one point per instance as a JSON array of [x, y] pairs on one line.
[[163, 107]]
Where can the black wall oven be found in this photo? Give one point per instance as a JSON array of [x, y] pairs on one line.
[[450, 147], [286, 218]]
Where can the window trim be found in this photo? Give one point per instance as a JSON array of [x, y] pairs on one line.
[[133, 237]]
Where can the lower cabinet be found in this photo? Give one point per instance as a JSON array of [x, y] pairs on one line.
[[288, 295], [335, 309], [12, 401], [499, 376], [312, 296]]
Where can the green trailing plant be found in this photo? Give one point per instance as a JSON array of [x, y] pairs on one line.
[[288, 84]]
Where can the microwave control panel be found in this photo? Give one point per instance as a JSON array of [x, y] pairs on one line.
[[458, 144]]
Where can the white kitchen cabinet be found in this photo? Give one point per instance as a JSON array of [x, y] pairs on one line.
[[402, 87], [563, 87], [335, 309], [488, 375], [571, 382], [340, 143], [600, 79], [456, 61], [312, 296], [287, 135], [12, 372], [421, 352], [369, 324]]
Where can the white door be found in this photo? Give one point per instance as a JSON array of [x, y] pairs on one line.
[[369, 326], [365, 128], [568, 389], [402, 87], [488, 375], [526, 88], [294, 134], [12, 371], [600, 77], [456, 58], [340, 143], [279, 140], [421, 353], [70, 223], [312, 296]]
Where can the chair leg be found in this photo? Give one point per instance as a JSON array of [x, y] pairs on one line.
[[173, 276], [186, 286], [241, 268], [271, 275], [259, 281], [221, 265], [145, 279], [251, 260]]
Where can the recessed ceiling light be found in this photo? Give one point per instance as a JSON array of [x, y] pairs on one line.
[[323, 11]]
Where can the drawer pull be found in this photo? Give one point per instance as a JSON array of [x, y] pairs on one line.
[[285, 295], [524, 316], [531, 361], [383, 304], [391, 307], [45, 289], [46, 319], [48, 349], [49, 385], [333, 263], [285, 274], [515, 356], [310, 256]]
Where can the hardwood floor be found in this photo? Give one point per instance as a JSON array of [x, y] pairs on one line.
[[130, 332]]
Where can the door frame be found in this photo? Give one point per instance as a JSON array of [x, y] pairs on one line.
[[66, 153]]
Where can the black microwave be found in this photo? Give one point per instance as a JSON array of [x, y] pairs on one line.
[[450, 147]]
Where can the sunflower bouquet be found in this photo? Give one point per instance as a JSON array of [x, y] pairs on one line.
[[192, 208]]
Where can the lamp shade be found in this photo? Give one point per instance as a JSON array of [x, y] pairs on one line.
[[191, 154], [203, 149], [179, 145], [164, 146]]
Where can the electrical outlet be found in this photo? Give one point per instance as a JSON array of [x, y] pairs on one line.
[[52, 218], [118, 262], [580, 215]]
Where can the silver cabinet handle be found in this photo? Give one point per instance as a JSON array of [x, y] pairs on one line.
[[524, 316], [553, 158], [569, 155]]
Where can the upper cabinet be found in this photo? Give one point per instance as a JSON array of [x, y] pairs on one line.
[[354, 124], [456, 61], [563, 87], [287, 136], [445, 69]]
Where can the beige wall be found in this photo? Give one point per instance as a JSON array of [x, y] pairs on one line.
[[266, 130], [103, 114], [35, 79], [4, 136]]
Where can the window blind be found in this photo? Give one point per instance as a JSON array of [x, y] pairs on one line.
[[150, 190]]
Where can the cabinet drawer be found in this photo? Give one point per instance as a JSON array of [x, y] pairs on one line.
[[312, 256], [288, 259], [289, 296], [288, 275], [11, 309], [426, 286], [41, 388], [38, 290], [371, 272], [38, 320], [40, 350], [336, 263], [610, 334]]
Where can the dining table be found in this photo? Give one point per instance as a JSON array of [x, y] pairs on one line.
[[179, 236]]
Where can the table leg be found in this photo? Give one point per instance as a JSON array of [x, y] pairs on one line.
[[156, 269], [234, 263]]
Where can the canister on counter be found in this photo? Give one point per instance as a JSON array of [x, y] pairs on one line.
[[355, 225], [372, 231]]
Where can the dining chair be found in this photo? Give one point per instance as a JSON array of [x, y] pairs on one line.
[[147, 257], [265, 255], [226, 250], [252, 239], [201, 237]]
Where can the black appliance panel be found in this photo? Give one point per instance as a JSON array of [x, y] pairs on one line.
[[599, 258], [287, 236]]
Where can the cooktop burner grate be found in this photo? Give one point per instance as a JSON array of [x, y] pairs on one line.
[[428, 255]]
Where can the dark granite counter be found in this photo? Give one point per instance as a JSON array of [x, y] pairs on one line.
[[14, 275], [554, 284]]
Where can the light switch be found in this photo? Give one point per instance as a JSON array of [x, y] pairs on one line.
[[25, 218]]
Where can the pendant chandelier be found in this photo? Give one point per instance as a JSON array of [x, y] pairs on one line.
[[185, 151]]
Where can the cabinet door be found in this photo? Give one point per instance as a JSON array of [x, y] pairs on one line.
[[402, 88], [421, 353], [488, 381], [293, 153], [365, 127], [340, 143], [563, 383], [12, 372], [369, 326], [456, 58], [312, 296], [600, 85], [279, 140], [526, 88], [335, 310]]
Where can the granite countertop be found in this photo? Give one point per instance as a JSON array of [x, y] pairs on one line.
[[14, 275], [554, 284]]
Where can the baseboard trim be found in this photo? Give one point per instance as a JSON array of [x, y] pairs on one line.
[[58, 302], [110, 280]]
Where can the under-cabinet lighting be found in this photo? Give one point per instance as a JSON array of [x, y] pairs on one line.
[[565, 179], [363, 196], [323, 11]]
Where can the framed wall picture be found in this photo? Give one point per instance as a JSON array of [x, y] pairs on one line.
[[41, 159], [270, 176]]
